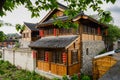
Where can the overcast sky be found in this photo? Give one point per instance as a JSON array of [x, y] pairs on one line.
[[21, 15]]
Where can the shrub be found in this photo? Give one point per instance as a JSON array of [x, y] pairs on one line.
[[85, 77], [102, 52], [74, 77], [65, 77], [0, 54]]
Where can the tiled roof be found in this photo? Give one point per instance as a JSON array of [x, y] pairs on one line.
[[63, 18], [53, 42], [62, 6], [31, 26]]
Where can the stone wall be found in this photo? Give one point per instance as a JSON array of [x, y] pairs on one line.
[[90, 49], [22, 58]]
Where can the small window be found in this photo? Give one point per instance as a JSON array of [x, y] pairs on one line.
[[87, 51], [74, 56], [41, 55]]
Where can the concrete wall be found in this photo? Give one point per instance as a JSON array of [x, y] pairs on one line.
[[21, 57], [24, 44], [90, 49]]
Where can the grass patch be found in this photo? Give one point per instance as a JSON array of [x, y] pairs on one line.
[[10, 72]]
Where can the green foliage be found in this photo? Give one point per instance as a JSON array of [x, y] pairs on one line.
[[85, 77], [75, 77], [55, 79], [113, 33], [2, 23], [74, 6], [0, 54], [19, 27], [103, 51], [10, 72], [17, 45], [2, 36], [65, 77]]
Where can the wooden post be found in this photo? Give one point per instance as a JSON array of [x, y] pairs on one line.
[[81, 58]]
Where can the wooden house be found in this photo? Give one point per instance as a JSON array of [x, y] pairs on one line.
[[29, 34], [63, 51]]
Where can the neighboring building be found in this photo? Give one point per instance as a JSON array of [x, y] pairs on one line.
[[29, 34], [64, 51], [9, 43], [14, 36], [10, 40]]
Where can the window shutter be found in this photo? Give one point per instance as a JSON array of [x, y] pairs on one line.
[[41, 33], [46, 56], [55, 31], [99, 32]]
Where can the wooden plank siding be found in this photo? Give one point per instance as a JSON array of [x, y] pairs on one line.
[[74, 68], [102, 65], [58, 69], [91, 37], [42, 65]]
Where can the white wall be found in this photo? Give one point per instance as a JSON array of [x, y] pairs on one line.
[[21, 57]]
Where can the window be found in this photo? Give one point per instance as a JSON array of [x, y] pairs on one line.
[[41, 55], [87, 51], [35, 33], [74, 56], [49, 31], [85, 29], [57, 57]]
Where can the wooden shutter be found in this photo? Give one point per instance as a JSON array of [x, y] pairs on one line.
[[64, 57], [41, 33], [46, 56], [99, 32]]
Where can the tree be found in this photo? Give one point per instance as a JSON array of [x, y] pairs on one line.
[[2, 36], [74, 7], [113, 34]]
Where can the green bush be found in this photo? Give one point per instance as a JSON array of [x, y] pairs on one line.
[[85, 77], [0, 54], [102, 52], [10, 72], [74, 77]]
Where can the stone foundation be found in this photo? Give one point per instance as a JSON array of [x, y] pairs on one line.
[[90, 49]]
